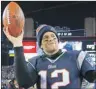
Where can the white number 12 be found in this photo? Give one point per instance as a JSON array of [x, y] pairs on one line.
[[65, 78]]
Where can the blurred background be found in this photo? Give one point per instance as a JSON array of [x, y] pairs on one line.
[[74, 21]]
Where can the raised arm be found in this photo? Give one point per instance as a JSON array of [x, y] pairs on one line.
[[26, 75]]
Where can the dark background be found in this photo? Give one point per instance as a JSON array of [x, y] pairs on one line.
[[57, 13]]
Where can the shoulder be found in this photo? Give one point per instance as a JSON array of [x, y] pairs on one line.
[[73, 53], [83, 54], [35, 59], [32, 62], [77, 55]]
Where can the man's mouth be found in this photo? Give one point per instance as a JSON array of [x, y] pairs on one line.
[[51, 43]]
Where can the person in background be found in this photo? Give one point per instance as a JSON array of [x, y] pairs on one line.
[[4, 86], [13, 84]]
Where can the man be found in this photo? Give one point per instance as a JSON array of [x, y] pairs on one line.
[[54, 69]]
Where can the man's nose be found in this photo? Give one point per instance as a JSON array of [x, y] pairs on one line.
[[50, 39]]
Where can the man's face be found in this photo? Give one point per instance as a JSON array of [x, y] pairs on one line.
[[49, 42]]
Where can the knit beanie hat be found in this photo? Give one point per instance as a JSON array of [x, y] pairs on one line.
[[42, 29]]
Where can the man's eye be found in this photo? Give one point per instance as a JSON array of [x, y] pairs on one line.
[[45, 39]]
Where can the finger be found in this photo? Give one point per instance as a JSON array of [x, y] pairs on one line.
[[5, 30], [22, 33]]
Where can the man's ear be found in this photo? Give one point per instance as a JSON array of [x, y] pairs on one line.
[[41, 46]]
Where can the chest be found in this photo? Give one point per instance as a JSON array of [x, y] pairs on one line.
[[61, 63], [57, 73]]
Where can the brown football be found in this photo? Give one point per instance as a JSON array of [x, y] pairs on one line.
[[13, 18]]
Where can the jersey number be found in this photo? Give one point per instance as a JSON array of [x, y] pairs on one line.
[[65, 78]]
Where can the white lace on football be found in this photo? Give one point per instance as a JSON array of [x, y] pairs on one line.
[[8, 17]]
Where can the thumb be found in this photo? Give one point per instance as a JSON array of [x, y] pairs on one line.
[[22, 33]]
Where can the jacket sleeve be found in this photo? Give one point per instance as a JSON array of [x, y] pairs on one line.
[[26, 75], [86, 66]]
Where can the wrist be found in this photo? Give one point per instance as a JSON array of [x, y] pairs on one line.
[[17, 45]]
